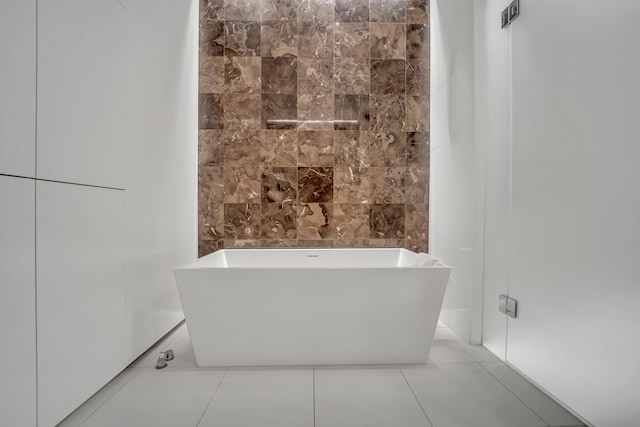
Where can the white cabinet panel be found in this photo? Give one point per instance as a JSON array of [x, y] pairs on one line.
[[81, 90], [17, 302], [18, 87], [81, 294]]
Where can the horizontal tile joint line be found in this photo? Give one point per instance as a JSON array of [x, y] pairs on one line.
[[63, 182]]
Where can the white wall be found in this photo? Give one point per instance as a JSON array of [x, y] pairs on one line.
[[575, 202], [452, 202], [161, 179], [94, 237]]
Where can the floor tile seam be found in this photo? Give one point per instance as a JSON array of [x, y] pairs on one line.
[[165, 340], [137, 371], [468, 362], [546, 424], [462, 347], [415, 396], [212, 396], [314, 394]]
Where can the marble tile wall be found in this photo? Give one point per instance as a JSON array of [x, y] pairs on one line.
[[313, 124]]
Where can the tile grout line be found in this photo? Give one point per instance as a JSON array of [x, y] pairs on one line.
[[514, 395], [136, 369], [414, 395], [110, 397], [314, 395], [212, 396]]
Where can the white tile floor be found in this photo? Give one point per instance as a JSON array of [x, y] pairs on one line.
[[462, 385]]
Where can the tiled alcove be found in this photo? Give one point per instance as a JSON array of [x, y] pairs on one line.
[[314, 123]]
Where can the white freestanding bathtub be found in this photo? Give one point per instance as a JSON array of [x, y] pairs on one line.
[[256, 307]]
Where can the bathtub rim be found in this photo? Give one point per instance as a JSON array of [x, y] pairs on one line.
[[194, 264]]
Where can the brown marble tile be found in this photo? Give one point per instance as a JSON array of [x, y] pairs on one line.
[[351, 148], [242, 38], [386, 243], [279, 184], [309, 244], [351, 40], [388, 185], [279, 147], [353, 243], [315, 39], [417, 222], [387, 10], [279, 38], [209, 228], [242, 74], [210, 199], [326, 136], [211, 74], [418, 77], [386, 147], [241, 221], [211, 10], [388, 76], [388, 113], [315, 185], [279, 10], [388, 41], [210, 111], [315, 10], [351, 221], [205, 247], [351, 10], [241, 243], [352, 184], [387, 221], [241, 184], [417, 11], [278, 221], [417, 245], [418, 185], [278, 243], [351, 112], [242, 111], [418, 147], [315, 111], [315, 221], [279, 111], [351, 76], [242, 10], [315, 76], [210, 187], [241, 148], [211, 38], [418, 114], [316, 148], [279, 75], [418, 42], [210, 147]]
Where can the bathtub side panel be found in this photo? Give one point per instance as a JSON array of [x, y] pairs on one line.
[[245, 317]]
